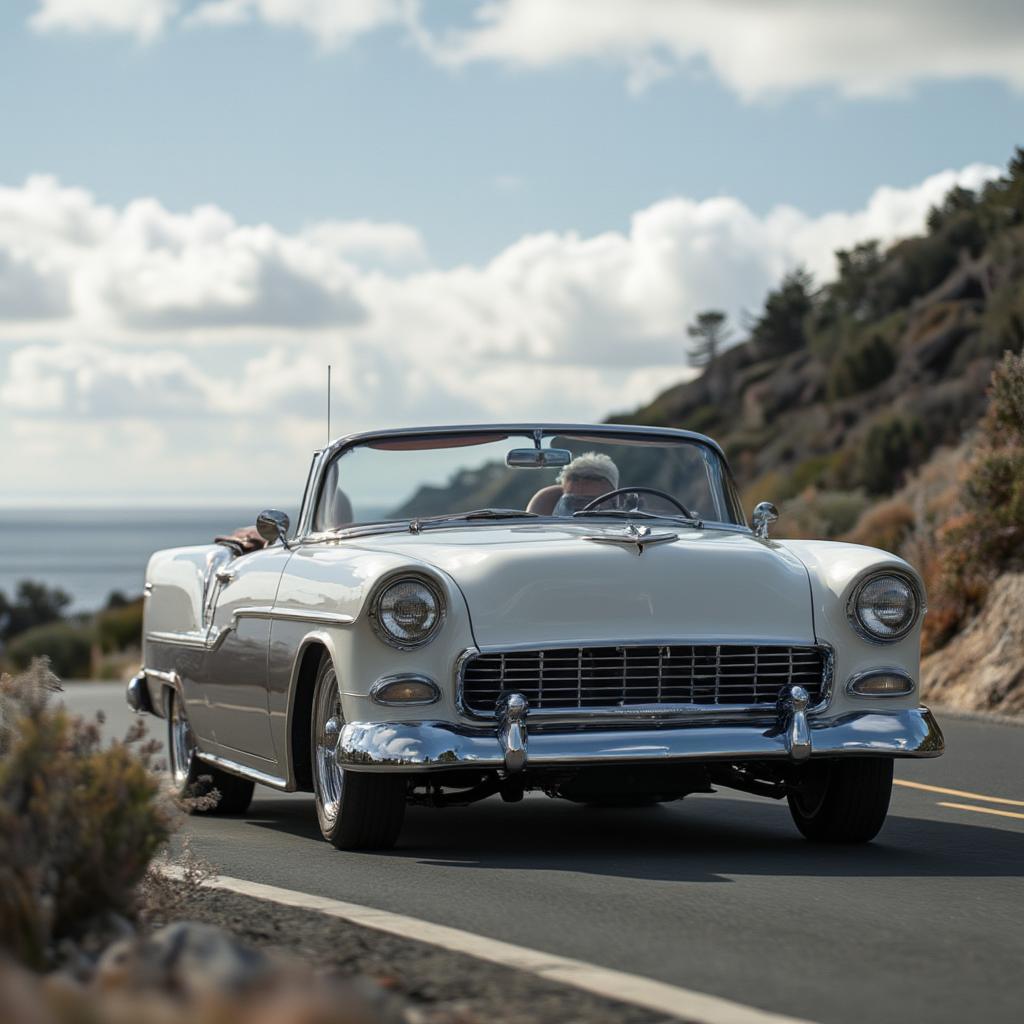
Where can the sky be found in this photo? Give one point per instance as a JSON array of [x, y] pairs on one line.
[[475, 212]]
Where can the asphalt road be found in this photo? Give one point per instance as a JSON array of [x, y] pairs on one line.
[[715, 893]]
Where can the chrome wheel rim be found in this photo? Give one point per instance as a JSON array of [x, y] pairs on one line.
[[182, 744], [327, 724]]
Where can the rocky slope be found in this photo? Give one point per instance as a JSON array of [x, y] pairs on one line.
[[982, 667]]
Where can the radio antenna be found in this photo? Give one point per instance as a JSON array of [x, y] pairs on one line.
[[328, 403]]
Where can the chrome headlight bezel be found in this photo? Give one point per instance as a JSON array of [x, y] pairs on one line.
[[374, 603], [853, 606]]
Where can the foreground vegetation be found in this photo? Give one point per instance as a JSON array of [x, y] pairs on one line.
[[89, 928]]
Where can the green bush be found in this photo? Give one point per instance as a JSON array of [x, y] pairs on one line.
[[888, 450], [68, 645], [860, 367], [80, 820], [119, 628]]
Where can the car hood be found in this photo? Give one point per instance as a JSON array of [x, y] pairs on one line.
[[549, 583]]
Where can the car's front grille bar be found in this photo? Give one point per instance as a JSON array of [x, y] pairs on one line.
[[622, 676]]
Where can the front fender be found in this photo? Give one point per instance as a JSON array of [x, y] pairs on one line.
[[834, 570]]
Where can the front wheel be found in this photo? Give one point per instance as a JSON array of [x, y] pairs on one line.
[[356, 810], [842, 801], [192, 779]]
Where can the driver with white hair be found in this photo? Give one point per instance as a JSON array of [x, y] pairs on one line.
[[587, 477]]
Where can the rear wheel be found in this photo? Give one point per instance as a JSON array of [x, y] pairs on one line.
[[356, 810], [191, 777], [842, 801]]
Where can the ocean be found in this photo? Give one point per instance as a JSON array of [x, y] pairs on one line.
[[89, 553]]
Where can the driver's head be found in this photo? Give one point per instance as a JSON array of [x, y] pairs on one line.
[[587, 477]]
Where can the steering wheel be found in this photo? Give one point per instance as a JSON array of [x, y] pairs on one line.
[[601, 498]]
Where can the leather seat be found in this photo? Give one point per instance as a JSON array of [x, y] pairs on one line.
[[545, 500]]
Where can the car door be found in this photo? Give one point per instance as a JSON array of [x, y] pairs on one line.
[[234, 684]]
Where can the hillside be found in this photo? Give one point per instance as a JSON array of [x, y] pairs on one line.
[[855, 406]]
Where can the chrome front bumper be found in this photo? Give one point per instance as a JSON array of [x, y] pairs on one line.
[[435, 746]]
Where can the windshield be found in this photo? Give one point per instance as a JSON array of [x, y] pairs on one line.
[[422, 476]]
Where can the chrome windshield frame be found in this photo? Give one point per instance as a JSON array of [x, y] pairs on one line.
[[325, 456]]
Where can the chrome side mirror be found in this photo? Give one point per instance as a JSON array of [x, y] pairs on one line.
[[272, 526], [765, 513]]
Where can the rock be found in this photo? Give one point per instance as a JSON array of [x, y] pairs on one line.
[[187, 958], [981, 668]]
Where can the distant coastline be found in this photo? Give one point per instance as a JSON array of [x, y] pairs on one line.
[[92, 552]]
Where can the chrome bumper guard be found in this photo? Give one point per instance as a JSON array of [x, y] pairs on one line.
[[436, 746]]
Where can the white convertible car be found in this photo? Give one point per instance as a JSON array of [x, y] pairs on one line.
[[464, 612]]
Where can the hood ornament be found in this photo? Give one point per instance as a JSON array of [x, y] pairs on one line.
[[641, 536]]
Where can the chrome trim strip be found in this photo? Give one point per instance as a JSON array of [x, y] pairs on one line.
[[293, 615], [433, 745], [869, 673], [244, 770], [208, 640], [171, 678], [404, 677]]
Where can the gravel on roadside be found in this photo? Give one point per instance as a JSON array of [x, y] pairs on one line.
[[442, 985]]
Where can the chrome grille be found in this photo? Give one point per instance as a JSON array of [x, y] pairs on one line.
[[713, 675]]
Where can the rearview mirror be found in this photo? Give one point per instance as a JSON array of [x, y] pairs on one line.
[[538, 458], [272, 526]]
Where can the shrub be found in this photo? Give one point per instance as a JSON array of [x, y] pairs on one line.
[[885, 525], [860, 367], [79, 820], [34, 604], [120, 627], [888, 450], [820, 514], [68, 645]]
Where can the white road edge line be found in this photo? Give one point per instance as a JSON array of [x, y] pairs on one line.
[[619, 985]]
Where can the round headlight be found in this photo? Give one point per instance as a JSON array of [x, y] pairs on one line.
[[408, 612], [885, 607]]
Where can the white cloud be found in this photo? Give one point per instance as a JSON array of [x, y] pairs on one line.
[[861, 47], [758, 49], [141, 313], [332, 23], [144, 19]]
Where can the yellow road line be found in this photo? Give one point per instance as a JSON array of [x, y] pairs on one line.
[[958, 792], [983, 810]]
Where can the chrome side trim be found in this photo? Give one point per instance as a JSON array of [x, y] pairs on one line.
[[204, 640], [436, 746], [244, 770], [293, 615]]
